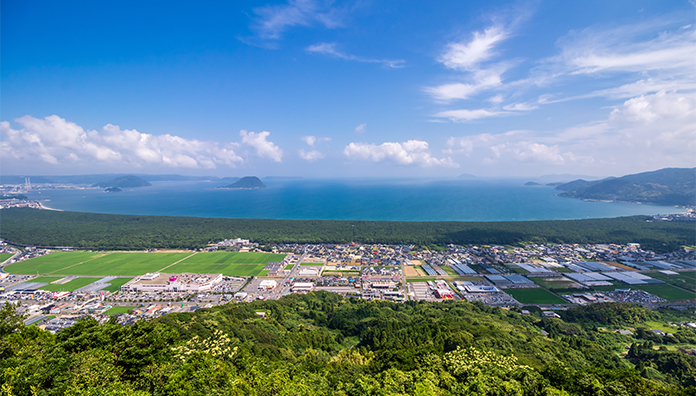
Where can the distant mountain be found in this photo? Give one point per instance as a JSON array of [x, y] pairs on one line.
[[553, 184], [246, 183], [670, 186], [530, 183], [124, 182], [466, 176], [98, 178]]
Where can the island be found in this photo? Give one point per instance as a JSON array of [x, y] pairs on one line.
[[113, 189], [531, 183], [128, 181], [246, 183]]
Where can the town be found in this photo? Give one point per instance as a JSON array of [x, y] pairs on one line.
[[551, 277]]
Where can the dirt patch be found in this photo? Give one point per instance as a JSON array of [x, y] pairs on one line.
[[411, 271]]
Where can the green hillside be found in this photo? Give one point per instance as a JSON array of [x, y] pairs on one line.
[[247, 183], [670, 186], [322, 344]]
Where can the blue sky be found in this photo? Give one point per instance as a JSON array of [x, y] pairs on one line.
[[348, 89]]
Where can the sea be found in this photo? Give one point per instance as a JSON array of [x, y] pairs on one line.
[[346, 199]]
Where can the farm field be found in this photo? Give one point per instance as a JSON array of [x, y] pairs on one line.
[[234, 258], [49, 263], [4, 256], [133, 264], [45, 279], [667, 292], [555, 283], [70, 286], [682, 280], [115, 284], [117, 310], [534, 296], [228, 264]]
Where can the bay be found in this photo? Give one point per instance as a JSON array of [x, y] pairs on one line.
[[393, 200]]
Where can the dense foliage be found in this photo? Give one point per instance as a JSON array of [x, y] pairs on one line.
[[321, 344], [670, 186], [103, 231]]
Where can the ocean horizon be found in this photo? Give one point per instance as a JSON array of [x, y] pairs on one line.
[[346, 199]]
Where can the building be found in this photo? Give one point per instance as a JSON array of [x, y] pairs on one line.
[[268, 284], [302, 287], [182, 283]]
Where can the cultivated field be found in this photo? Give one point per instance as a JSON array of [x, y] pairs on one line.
[[4, 256], [133, 264], [666, 291], [70, 286], [535, 296]]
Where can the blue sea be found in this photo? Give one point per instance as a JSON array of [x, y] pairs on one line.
[[396, 200]]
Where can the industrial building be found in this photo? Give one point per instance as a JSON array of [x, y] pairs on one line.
[[184, 283]]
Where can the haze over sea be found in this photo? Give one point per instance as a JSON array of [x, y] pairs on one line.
[[395, 200]]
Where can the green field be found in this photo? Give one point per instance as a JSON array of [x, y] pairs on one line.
[[4, 256], [49, 263], [684, 279], [289, 267], [46, 279], [118, 310], [554, 284], [666, 291], [535, 296], [228, 264], [115, 284], [70, 286], [133, 264]]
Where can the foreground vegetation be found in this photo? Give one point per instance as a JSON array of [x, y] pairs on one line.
[[321, 344], [122, 232]]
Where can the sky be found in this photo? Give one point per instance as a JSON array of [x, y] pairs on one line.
[[324, 89]]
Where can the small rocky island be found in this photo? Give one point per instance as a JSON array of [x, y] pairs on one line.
[[246, 183], [113, 189]]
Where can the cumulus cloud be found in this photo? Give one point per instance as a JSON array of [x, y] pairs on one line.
[[360, 128], [310, 140], [311, 156], [56, 141], [412, 152], [330, 50], [263, 147]]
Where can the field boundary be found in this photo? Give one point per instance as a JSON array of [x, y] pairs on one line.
[[191, 255]]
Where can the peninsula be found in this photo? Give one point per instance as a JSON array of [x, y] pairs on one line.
[[123, 182]]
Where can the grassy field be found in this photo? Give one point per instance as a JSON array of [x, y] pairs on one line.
[[115, 284], [49, 263], [289, 266], [667, 292], [4, 256], [70, 286], [133, 264], [534, 296], [118, 310], [683, 280], [228, 264], [311, 264], [46, 279]]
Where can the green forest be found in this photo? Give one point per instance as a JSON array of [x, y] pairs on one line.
[[124, 232], [323, 344]]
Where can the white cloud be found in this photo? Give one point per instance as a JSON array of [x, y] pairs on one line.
[[311, 156], [520, 107], [263, 147], [56, 141], [360, 128], [468, 55], [310, 140], [469, 115], [412, 152], [330, 49], [271, 21]]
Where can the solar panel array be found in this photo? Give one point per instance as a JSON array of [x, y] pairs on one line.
[[490, 269], [517, 279], [463, 269], [429, 270]]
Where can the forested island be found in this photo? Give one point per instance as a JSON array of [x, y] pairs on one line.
[[123, 182], [126, 232], [246, 183], [323, 344]]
